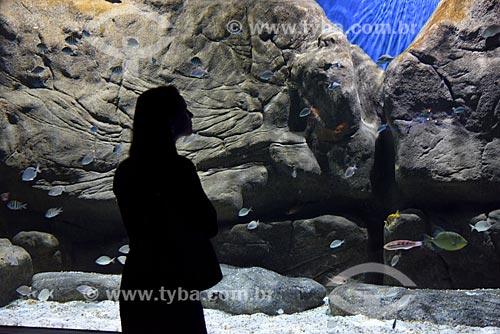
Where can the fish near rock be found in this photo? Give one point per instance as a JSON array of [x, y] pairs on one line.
[[384, 59], [350, 171], [244, 211], [30, 173], [253, 225], [52, 212], [402, 245], [16, 205], [449, 241], [104, 260], [336, 243], [481, 226], [392, 218]]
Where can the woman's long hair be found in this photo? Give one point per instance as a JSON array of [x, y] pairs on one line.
[[155, 113]]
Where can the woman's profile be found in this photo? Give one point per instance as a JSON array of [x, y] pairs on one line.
[[169, 221]]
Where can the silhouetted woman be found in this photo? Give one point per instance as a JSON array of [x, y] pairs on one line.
[[169, 221]]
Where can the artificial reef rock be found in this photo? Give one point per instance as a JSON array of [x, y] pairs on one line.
[[442, 99]]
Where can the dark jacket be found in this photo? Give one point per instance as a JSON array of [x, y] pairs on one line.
[[169, 221]]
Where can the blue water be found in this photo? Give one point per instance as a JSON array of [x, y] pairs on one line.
[[380, 26]]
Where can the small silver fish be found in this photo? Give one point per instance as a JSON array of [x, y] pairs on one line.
[[67, 51], [45, 294], [458, 110], [104, 260], [253, 225], [244, 211], [198, 72], [86, 289], [336, 280], [38, 70], [266, 75], [16, 205], [132, 42], [56, 191], [122, 259], [87, 160], [385, 59], [333, 85], [280, 311], [491, 31], [294, 173], [481, 226], [395, 260], [305, 112], [24, 290], [336, 243], [349, 172], [124, 249], [116, 70], [30, 173], [52, 212]]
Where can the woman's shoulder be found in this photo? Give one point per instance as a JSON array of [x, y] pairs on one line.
[[185, 162], [125, 167]]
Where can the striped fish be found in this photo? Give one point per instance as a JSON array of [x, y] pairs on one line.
[[402, 244], [16, 205]]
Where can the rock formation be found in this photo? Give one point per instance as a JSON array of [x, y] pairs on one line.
[[287, 116], [68, 96], [442, 96], [477, 308], [16, 270]]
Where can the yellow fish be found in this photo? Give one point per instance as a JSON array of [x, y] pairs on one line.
[[391, 219]]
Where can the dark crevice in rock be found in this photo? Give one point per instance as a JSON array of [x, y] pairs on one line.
[[492, 43], [292, 237], [429, 60], [385, 199], [5, 30]]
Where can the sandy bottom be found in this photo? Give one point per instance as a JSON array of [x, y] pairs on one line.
[[104, 316]]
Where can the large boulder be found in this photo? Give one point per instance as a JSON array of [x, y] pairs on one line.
[[68, 86], [43, 248], [257, 290], [296, 248], [67, 286], [442, 99], [16, 270]]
